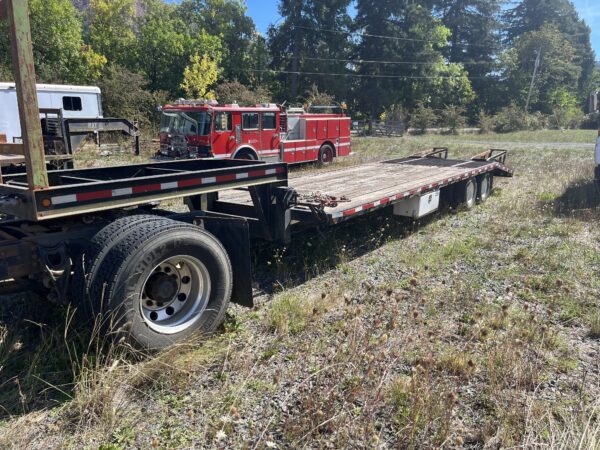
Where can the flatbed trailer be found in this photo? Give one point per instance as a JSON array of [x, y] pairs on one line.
[[105, 239]]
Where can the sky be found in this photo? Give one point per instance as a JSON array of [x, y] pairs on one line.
[[264, 12]]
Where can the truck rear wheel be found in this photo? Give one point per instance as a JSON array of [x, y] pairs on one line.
[[162, 282], [484, 187], [325, 155]]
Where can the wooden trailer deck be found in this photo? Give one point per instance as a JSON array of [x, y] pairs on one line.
[[348, 192]]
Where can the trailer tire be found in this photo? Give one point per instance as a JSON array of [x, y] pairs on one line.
[[326, 155], [161, 283], [484, 187], [469, 193]]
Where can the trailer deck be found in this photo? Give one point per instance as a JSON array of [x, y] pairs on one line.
[[352, 191]]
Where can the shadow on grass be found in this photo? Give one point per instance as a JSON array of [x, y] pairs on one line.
[[580, 200]]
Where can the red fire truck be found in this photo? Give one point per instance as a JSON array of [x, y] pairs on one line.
[[205, 129]]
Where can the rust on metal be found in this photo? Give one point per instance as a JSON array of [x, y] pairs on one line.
[[11, 149], [17, 12]]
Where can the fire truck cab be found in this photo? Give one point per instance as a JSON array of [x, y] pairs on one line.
[[205, 129]]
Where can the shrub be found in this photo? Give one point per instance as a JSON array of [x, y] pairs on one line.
[[236, 92], [124, 95], [453, 118], [486, 123], [511, 118], [422, 117]]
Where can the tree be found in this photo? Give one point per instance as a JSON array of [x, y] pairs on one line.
[[475, 42], [236, 92], [111, 29], [165, 45], [227, 20], [58, 49], [200, 76], [312, 39], [559, 67], [532, 15], [415, 69]]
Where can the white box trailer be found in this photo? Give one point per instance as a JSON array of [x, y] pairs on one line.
[[75, 102]]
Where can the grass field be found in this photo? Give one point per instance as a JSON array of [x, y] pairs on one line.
[[475, 329]]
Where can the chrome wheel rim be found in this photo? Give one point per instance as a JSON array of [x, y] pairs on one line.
[[175, 294]]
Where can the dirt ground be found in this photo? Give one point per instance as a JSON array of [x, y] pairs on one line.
[[472, 329]]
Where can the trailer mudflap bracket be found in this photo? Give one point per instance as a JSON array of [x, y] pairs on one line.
[[234, 234]]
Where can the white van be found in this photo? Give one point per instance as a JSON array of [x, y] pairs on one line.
[[75, 101]]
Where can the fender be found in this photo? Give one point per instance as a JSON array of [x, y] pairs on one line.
[[244, 147]]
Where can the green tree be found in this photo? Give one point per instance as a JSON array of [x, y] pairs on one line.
[[227, 20], [59, 53], [532, 15], [200, 76], [415, 44], [111, 28], [312, 38], [559, 67], [475, 42], [236, 92]]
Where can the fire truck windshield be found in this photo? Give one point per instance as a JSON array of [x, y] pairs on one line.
[[186, 123]]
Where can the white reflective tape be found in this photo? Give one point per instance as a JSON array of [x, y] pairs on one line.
[[62, 199], [358, 209], [337, 215], [377, 203], [240, 176], [209, 180], [171, 185], [270, 172], [122, 191]]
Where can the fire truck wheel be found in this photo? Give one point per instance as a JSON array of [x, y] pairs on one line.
[[162, 282], [484, 187], [325, 155], [246, 154]]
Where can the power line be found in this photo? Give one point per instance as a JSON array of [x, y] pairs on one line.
[[362, 61], [380, 36], [358, 75]]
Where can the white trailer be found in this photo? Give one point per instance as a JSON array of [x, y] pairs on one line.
[[75, 102]]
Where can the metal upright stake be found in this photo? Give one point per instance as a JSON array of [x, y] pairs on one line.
[[17, 14]]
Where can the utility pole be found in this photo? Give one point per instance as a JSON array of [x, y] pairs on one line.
[[535, 70]]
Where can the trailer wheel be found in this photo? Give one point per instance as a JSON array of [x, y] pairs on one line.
[[325, 155], [484, 187], [469, 193], [161, 283]]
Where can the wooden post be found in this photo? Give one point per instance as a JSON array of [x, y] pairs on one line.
[[2, 9], [17, 12]]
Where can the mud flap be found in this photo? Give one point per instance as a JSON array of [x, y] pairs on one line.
[[234, 234]]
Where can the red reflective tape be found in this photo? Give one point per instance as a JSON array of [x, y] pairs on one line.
[[85, 196], [413, 192], [384, 201], [368, 206], [349, 212], [280, 170], [257, 173], [226, 178], [146, 188], [190, 183]]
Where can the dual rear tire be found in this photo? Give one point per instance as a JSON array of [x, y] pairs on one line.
[[154, 281]]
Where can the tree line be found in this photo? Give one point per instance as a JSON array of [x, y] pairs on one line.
[[425, 61]]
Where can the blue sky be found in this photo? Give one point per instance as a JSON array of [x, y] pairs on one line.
[[264, 12]]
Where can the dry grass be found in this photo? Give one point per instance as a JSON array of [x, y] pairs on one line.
[[478, 330]]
